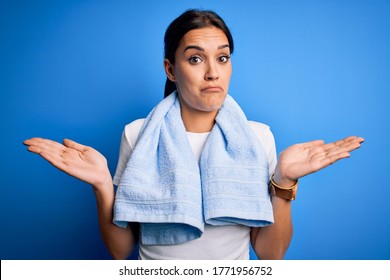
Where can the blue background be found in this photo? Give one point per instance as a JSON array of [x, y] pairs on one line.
[[84, 69]]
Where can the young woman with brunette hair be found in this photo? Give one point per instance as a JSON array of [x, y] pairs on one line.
[[196, 180]]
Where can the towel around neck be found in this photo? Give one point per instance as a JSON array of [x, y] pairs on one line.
[[173, 196]]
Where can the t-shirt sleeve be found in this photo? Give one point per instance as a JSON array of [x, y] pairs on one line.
[[128, 141], [124, 155], [264, 133]]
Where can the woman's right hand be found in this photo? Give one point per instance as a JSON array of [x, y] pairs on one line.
[[90, 166], [79, 161]]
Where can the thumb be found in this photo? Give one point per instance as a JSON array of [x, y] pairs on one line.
[[74, 145]]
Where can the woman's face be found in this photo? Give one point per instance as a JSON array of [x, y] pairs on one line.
[[202, 69]]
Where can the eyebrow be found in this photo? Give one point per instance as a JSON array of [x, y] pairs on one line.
[[202, 49]]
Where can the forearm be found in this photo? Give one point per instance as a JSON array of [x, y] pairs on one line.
[[119, 241], [272, 242]]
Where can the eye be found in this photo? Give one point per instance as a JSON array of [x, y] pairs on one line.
[[224, 58], [195, 60]]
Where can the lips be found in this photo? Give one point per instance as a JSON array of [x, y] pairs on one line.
[[212, 89]]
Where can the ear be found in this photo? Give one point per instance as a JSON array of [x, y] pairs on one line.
[[169, 70]]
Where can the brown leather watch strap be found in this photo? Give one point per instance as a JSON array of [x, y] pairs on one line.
[[288, 194], [285, 193]]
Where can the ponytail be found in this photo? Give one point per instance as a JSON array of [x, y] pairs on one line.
[[169, 87]]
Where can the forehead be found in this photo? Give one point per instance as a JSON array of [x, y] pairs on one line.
[[204, 36]]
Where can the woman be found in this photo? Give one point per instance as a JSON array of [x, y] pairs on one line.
[[197, 107]]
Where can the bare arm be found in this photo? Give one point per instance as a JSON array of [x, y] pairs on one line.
[[295, 162], [88, 165], [119, 241], [272, 242]]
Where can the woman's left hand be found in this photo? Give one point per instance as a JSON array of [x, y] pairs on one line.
[[302, 159]]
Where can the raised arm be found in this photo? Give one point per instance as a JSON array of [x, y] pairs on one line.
[[296, 162], [88, 165]]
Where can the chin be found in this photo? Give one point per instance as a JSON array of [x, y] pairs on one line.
[[211, 108], [214, 104]]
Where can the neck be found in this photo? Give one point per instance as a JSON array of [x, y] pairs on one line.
[[198, 122]]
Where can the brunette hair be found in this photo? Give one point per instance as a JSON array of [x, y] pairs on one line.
[[189, 20]]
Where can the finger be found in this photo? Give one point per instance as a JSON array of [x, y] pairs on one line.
[[335, 154], [39, 145], [330, 159], [341, 149], [348, 146], [49, 150], [56, 159], [316, 152], [339, 143], [348, 140], [39, 141], [360, 140], [322, 160], [33, 141], [74, 145], [313, 143]]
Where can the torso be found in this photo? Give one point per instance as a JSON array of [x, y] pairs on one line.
[[217, 242]]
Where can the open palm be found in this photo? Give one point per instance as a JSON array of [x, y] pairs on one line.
[[79, 161], [302, 159]]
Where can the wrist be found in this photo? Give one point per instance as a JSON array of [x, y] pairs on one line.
[[284, 188], [104, 184], [283, 181], [104, 194]]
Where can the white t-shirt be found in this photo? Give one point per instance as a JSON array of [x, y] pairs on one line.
[[216, 242]]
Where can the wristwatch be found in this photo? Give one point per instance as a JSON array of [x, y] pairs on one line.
[[285, 193]]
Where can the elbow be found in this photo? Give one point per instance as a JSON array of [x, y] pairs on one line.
[[122, 246], [275, 254], [274, 249], [118, 255], [121, 252]]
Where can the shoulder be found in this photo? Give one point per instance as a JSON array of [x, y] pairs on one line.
[[134, 126], [132, 130], [262, 131], [264, 134], [267, 140], [258, 126]]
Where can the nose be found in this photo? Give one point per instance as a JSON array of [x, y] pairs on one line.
[[211, 72]]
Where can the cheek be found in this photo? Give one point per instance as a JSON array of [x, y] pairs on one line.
[[228, 74], [188, 78]]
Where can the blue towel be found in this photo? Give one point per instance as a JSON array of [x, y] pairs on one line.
[[172, 196]]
